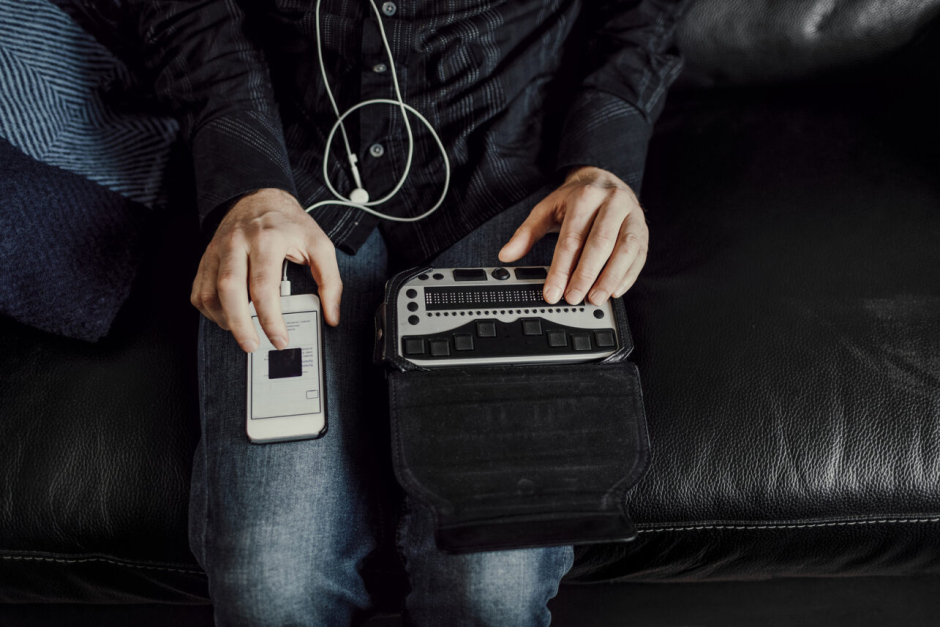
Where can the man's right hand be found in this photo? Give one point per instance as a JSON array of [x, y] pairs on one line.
[[246, 256]]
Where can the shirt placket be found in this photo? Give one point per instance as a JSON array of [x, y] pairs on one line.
[[378, 139]]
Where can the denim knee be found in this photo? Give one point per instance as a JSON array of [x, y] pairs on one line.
[[513, 587], [493, 588], [256, 578], [258, 587]]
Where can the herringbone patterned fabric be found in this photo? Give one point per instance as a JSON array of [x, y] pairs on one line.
[[55, 83]]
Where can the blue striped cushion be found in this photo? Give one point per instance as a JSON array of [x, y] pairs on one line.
[[54, 85], [77, 173]]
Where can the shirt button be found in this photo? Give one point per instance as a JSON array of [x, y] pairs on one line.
[[389, 8], [377, 150], [378, 68]]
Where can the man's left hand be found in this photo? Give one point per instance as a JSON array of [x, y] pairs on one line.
[[602, 237]]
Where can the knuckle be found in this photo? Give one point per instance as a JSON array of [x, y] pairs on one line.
[[261, 278], [210, 300], [226, 240], [585, 193], [634, 242], [584, 275], [624, 194], [608, 284], [570, 243], [580, 192], [262, 235], [229, 282], [604, 239], [270, 322], [560, 275], [262, 228], [242, 329], [619, 194]]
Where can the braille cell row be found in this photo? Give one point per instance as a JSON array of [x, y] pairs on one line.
[[495, 312], [460, 298]]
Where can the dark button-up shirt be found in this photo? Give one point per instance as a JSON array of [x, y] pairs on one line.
[[518, 91]]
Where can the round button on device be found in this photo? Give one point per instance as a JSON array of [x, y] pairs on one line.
[[412, 306], [389, 8], [438, 276], [501, 274], [377, 150], [411, 293], [413, 319], [422, 277], [598, 314]]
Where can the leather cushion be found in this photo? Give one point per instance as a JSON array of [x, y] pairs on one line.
[[787, 327], [761, 41], [96, 443]]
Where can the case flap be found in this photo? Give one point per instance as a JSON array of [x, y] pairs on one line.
[[521, 456]]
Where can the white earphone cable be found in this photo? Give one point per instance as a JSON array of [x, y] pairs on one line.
[[405, 108]]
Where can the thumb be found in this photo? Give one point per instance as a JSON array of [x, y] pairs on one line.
[[534, 228]]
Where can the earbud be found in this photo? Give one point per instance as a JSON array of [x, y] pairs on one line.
[[359, 196]]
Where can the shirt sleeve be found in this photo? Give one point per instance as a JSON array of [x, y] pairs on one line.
[[216, 81], [629, 64]]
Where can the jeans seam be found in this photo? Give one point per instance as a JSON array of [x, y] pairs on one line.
[[205, 447], [402, 558]]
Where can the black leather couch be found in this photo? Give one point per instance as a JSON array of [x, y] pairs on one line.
[[787, 330]]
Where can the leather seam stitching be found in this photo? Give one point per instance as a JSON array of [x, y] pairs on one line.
[[79, 560], [873, 521]]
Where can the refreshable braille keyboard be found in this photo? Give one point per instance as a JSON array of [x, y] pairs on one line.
[[482, 316]]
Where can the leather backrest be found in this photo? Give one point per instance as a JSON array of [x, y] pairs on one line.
[[748, 41]]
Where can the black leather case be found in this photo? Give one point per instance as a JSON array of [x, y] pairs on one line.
[[516, 456]]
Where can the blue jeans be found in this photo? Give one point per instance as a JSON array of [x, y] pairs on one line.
[[283, 529]]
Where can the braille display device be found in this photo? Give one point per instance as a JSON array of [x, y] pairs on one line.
[[519, 423], [474, 316]]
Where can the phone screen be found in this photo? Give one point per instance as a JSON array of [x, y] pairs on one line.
[[287, 382]]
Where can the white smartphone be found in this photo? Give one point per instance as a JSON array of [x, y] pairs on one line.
[[286, 388]]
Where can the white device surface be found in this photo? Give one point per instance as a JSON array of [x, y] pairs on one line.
[[493, 315], [286, 387]]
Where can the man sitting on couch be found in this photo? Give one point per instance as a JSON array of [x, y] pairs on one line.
[[282, 530]]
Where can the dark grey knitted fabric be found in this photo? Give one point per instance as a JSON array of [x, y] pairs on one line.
[[69, 248]]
